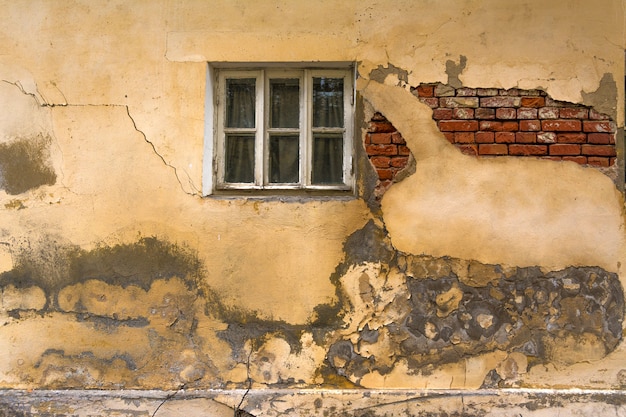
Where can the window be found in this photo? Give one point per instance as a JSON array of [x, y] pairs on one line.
[[283, 129]]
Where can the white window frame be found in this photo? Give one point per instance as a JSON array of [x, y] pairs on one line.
[[215, 132]]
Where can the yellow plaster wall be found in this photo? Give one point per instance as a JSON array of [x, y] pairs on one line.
[[120, 89]]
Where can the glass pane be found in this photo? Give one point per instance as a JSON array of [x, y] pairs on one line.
[[285, 105], [327, 159], [327, 102], [239, 158], [240, 99], [284, 159]]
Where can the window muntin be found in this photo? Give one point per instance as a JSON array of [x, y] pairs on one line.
[[284, 129]]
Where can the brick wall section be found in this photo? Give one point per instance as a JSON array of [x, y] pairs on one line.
[[386, 150], [492, 122]]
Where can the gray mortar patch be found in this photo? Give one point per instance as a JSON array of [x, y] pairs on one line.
[[25, 165], [604, 99]]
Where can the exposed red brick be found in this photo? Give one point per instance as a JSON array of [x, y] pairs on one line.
[[564, 149], [500, 101], [597, 126], [598, 150], [492, 149], [573, 113], [463, 113], [526, 113], [380, 161], [595, 115], [561, 125], [548, 113], [533, 102], [552, 158], [469, 149], [505, 137], [546, 137], [485, 113], [442, 90], [506, 113], [425, 90], [431, 102], [383, 126], [571, 138], [464, 137], [600, 138], [465, 92], [385, 174], [449, 136], [380, 138], [577, 159], [403, 150], [494, 126], [487, 91], [530, 125], [612, 161], [378, 117], [397, 138], [534, 150], [442, 114], [458, 125], [382, 149], [399, 161], [509, 92], [484, 137], [598, 161], [454, 102], [525, 137]]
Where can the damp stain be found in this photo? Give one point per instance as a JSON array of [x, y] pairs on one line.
[[25, 165]]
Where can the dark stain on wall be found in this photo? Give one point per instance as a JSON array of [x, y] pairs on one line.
[[25, 165]]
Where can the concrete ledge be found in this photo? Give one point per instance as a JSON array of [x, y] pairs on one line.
[[311, 402]]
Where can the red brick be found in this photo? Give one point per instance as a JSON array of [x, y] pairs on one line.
[[510, 92], [498, 126], [546, 137], [464, 137], [595, 115], [598, 161], [463, 113], [431, 102], [571, 138], [397, 138], [442, 114], [525, 137], [382, 150], [561, 125], [399, 161], [564, 149], [385, 174], [492, 149], [548, 113], [599, 150], [443, 90], [403, 150], [533, 102], [526, 113], [458, 125], [506, 113], [485, 113], [573, 113], [449, 136], [454, 102], [534, 150], [380, 138], [465, 92], [425, 90], [484, 137], [487, 91], [602, 127], [578, 159], [601, 138], [381, 127], [530, 125], [468, 149], [500, 101], [505, 137], [612, 161], [380, 161]]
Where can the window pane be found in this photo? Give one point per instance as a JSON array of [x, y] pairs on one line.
[[327, 159], [284, 159], [240, 98], [327, 102], [239, 158], [285, 102]]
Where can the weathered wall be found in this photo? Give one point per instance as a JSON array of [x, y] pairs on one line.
[[116, 273]]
